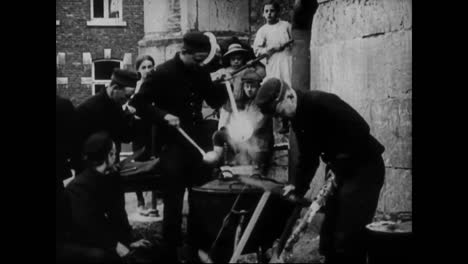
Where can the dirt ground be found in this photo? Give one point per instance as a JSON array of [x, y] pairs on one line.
[[305, 251]]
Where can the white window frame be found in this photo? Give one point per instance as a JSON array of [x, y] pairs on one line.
[[106, 21], [105, 82]]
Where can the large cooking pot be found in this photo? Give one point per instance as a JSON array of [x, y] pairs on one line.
[[390, 242], [214, 200]]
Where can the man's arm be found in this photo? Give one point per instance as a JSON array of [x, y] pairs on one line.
[[126, 126], [308, 163], [214, 95], [151, 91]]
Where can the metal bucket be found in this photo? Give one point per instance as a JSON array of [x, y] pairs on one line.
[[214, 200], [390, 242]]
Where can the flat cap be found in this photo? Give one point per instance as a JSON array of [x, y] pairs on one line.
[[196, 42], [125, 78], [251, 75], [270, 94]]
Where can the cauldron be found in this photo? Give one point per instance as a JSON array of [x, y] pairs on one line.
[[390, 242], [214, 200]]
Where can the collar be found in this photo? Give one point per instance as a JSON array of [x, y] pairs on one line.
[[300, 104], [179, 63]]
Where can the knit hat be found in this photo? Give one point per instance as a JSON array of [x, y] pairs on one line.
[[251, 75], [270, 94]]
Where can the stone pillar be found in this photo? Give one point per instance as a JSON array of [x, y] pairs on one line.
[[361, 51], [303, 12], [167, 20]]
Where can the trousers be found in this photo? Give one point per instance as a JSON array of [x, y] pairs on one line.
[[343, 235], [181, 168]]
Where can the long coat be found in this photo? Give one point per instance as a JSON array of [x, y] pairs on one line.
[[97, 203], [64, 146], [326, 127], [100, 113], [65, 136], [178, 90]]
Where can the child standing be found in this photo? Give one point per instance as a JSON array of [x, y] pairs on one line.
[[271, 39]]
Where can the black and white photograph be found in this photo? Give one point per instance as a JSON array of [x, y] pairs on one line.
[[234, 131]]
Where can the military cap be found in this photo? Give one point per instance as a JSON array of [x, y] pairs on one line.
[[97, 146], [125, 78], [251, 75], [196, 42], [270, 94]]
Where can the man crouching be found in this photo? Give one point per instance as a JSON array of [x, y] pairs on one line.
[[99, 219]]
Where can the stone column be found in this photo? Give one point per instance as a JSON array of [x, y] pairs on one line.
[[361, 51], [167, 20]]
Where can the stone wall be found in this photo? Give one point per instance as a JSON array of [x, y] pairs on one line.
[[167, 20], [362, 51]]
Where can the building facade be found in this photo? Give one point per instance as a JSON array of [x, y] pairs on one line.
[[92, 38]]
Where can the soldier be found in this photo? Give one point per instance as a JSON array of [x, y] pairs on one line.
[[178, 88], [328, 128], [104, 112]]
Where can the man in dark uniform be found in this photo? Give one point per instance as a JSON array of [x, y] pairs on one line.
[[178, 88], [328, 128], [104, 112], [99, 219]]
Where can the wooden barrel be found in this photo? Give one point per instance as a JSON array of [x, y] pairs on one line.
[[214, 200]]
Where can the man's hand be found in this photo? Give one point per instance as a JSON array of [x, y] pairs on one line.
[[287, 189], [142, 243], [213, 156], [121, 250], [221, 75], [131, 109], [172, 120]]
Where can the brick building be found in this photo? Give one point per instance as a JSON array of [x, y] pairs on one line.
[[92, 38]]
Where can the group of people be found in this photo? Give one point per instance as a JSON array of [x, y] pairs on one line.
[[92, 223]]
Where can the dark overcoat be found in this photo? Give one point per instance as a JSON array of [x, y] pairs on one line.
[[98, 211]]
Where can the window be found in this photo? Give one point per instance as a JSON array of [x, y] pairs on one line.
[[102, 72], [106, 13]]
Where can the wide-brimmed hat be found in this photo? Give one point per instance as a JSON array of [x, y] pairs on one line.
[[234, 48]]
